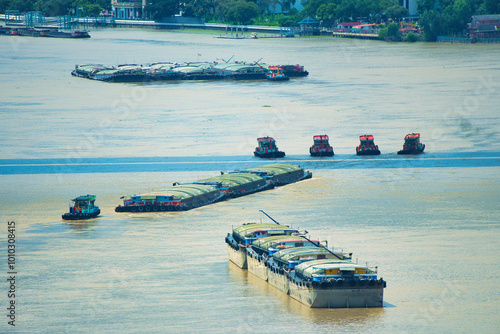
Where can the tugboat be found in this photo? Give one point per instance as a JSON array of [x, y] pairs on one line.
[[83, 208], [291, 70], [367, 146], [412, 144], [267, 149], [276, 74], [321, 147]]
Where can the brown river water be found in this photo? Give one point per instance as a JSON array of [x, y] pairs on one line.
[[431, 223]]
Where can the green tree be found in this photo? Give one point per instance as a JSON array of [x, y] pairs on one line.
[[53, 7], [237, 11], [397, 12], [158, 9], [431, 25], [411, 37], [201, 8], [390, 33]]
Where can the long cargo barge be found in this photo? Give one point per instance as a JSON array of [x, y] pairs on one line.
[[187, 196], [168, 71], [304, 269]]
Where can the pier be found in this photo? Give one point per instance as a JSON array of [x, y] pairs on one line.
[[355, 35]]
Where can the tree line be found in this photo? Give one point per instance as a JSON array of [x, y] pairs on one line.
[[437, 17]]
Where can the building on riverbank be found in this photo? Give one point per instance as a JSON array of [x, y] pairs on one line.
[[485, 28], [126, 10]]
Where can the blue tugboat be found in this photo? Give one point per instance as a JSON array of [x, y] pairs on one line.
[[276, 74], [83, 208], [412, 144]]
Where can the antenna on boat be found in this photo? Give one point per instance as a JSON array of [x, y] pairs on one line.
[[229, 59], [268, 216], [321, 246]]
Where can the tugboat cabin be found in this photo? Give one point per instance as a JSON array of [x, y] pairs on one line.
[[366, 141], [321, 141], [83, 204], [267, 143], [412, 140]]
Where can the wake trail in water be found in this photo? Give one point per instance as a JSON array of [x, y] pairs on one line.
[[224, 163]]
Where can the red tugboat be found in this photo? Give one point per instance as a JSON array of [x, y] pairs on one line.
[[321, 147], [412, 144], [267, 149], [367, 146]]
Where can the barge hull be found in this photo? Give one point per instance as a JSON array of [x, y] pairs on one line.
[[257, 267], [278, 280], [237, 256], [337, 297]]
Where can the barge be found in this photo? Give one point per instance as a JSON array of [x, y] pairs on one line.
[[236, 184], [187, 196], [176, 198], [167, 71], [305, 269], [281, 174], [243, 236]]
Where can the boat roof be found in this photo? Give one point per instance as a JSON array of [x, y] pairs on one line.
[[181, 191], [233, 179], [268, 242], [366, 137], [275, 169], [249, 229], [236, 67], [188, 69], [309, 268], [289, 253], [320, 137], [84, 198], [265, 139], [412, 136]]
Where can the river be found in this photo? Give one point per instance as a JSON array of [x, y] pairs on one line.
[[430, 223]]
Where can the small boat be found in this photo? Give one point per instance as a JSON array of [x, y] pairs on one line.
[[276, 74], [83, 208], [267, 149], [66, 34], [291, 71], [321, 147], [367, 146], [412, 144]]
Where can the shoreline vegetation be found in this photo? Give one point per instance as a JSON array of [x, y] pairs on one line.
[[391, 20], [241, 31]]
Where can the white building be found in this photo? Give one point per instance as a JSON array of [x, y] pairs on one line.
[[124, 10], [411, 5]]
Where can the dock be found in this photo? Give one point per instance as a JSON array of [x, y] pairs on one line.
[[355, 35]]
